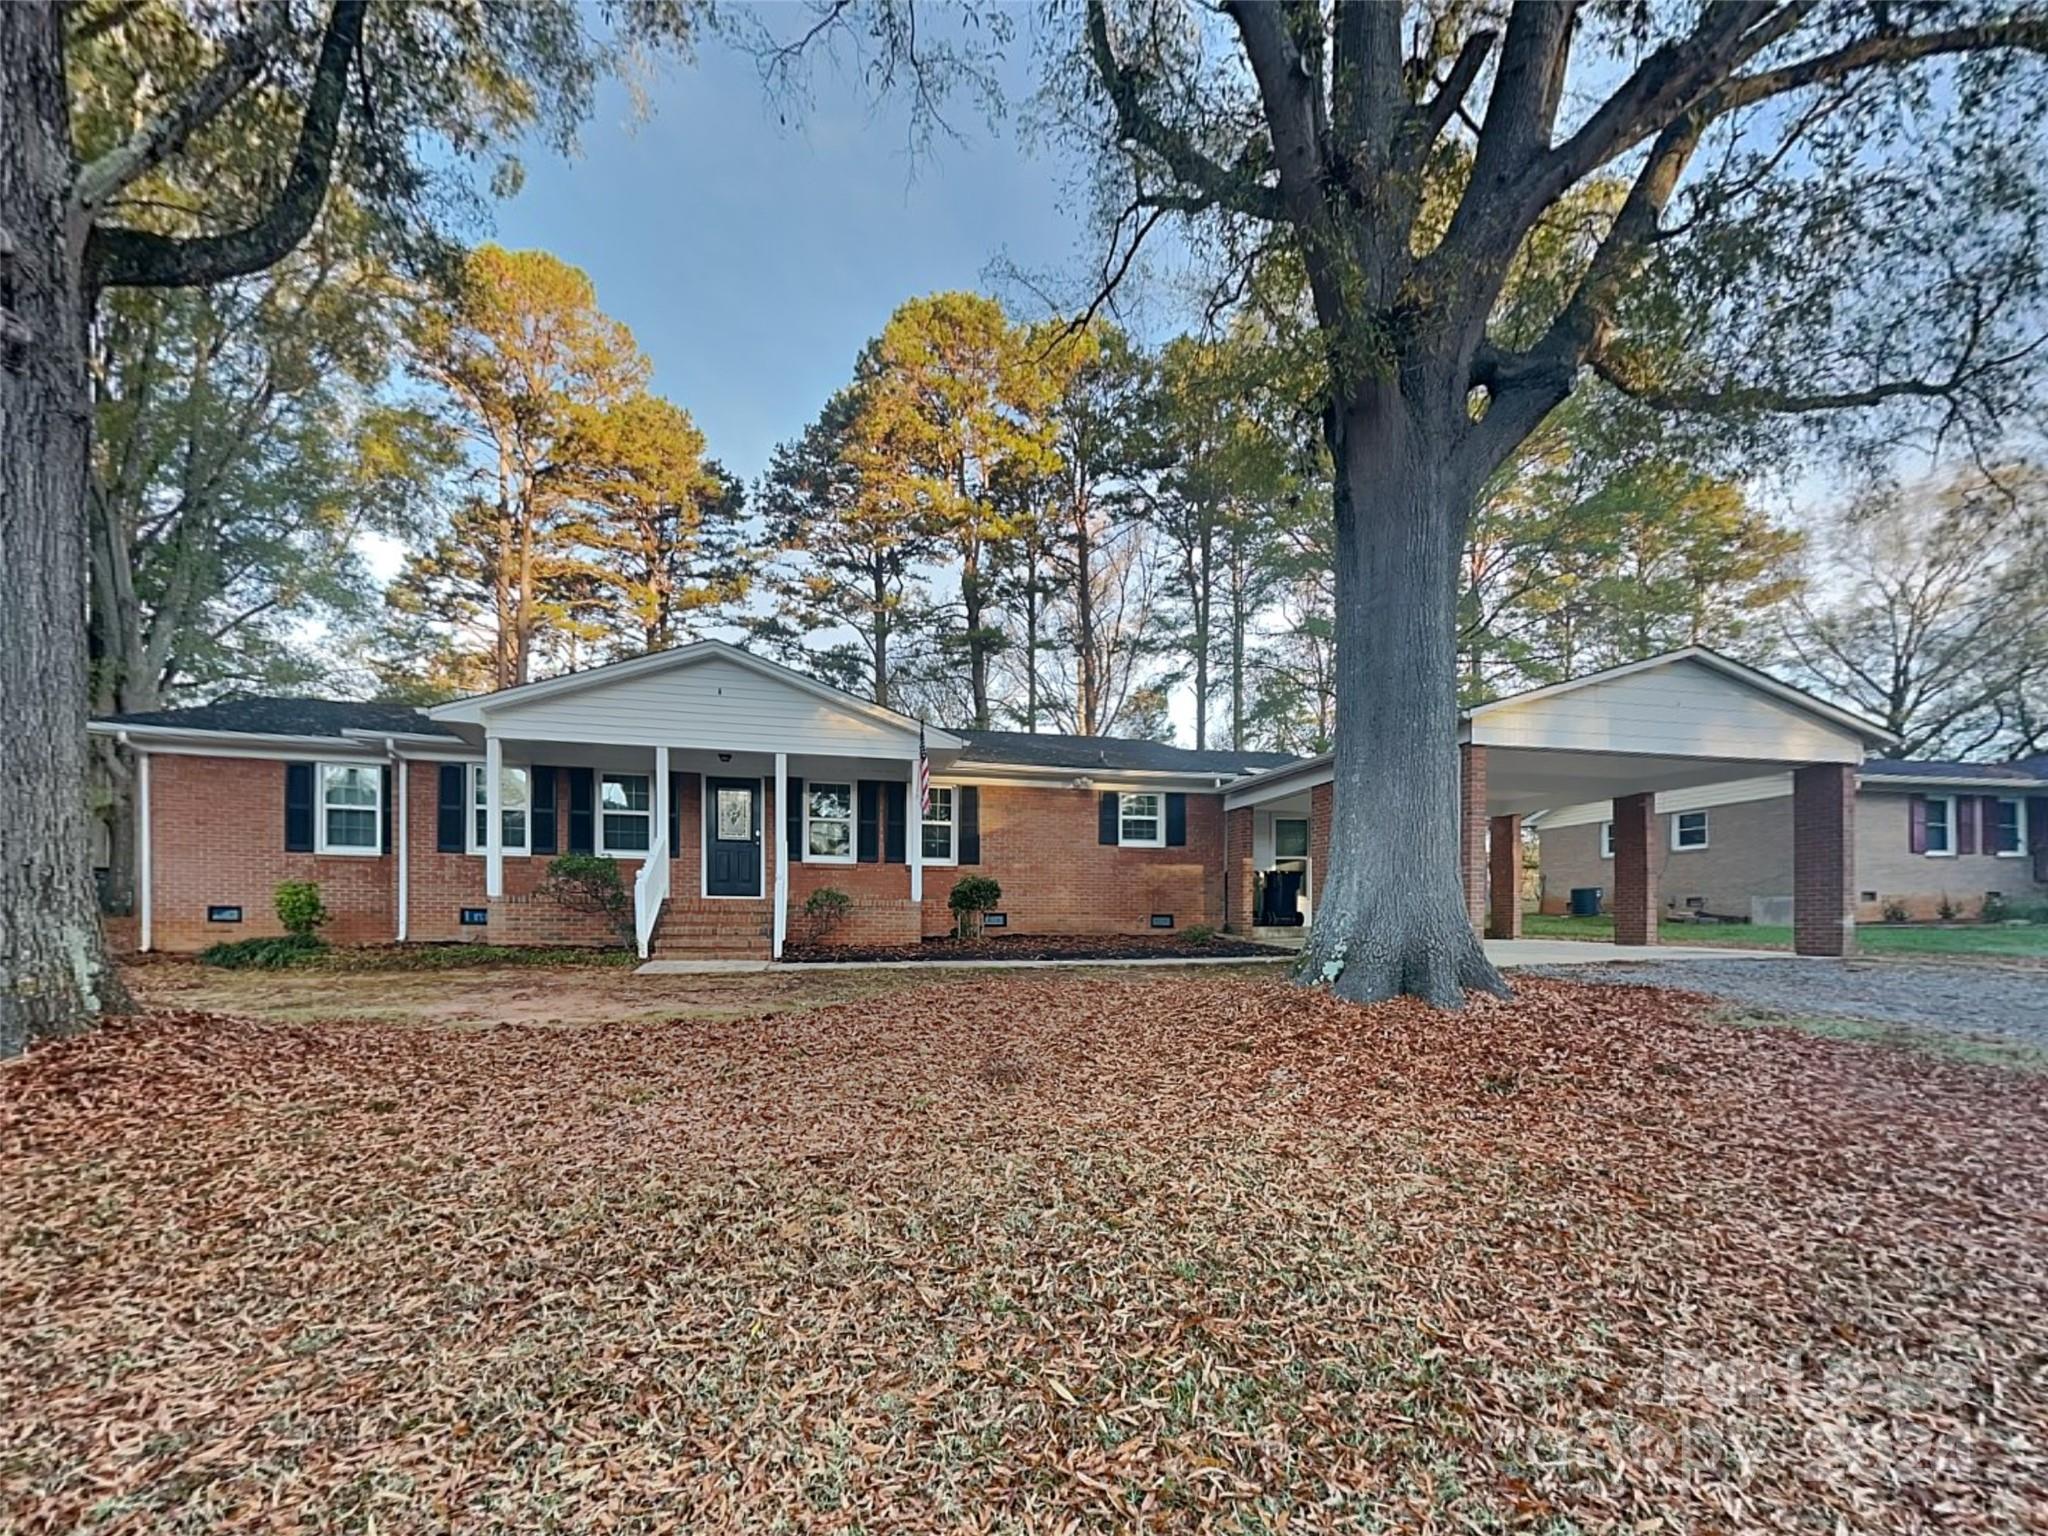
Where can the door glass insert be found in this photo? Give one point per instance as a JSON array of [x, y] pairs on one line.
[[735, 815]]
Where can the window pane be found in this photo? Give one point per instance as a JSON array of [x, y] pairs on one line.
[[2006, 836], [350, 786], [938, 840], [832, 800], [624, 792], [735, 815], [515, 829], [1290, 839], [942, 805], [830, 839], [1937, 826], [625, 832], [351, 828]]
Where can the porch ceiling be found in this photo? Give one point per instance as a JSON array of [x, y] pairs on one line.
[[1521, 780]]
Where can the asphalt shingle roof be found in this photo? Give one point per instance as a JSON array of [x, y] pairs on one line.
[[1027, 749], [1928, 768], [289, 717]]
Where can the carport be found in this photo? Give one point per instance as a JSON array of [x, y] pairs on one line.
[[1681, 720]]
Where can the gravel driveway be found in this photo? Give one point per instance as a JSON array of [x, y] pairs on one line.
[[1971, 998]]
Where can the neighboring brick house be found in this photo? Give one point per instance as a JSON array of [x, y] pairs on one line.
[[1927, 834], [391, 811], [731, 789]]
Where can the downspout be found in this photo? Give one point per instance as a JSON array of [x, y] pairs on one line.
[[145, 871], [399, 844]]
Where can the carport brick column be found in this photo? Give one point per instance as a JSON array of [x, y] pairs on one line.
[[1504, 879], [1237, 870], [1824, 859], [1635, 874], [1472, 831]]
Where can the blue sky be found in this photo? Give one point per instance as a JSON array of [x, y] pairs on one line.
[[752, 258]]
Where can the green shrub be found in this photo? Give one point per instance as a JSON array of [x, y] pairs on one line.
[[1945, 909], [1994, 909], [1895, 910], [590, 882], [1201, 933], [299, 907], [824, 910], [265, 954], [972, 896]]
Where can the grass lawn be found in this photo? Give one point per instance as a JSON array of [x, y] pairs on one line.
[[1871, 938], [1161, 1250]]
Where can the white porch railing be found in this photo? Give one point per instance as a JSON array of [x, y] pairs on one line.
[[650, 890]]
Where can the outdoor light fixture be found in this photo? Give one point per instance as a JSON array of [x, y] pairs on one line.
[[725, 757]]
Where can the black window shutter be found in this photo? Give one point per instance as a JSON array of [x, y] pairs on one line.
[[386, 810], [298, 807], [1176, 821], [967, 807], [543, 821], [675, 813], [451, 811], [868, 812], [1106, 818], [793, 820], [894, 799], [582, 816]]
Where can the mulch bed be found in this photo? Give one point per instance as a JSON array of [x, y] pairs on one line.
[[1165, 946], [1053, 1252]]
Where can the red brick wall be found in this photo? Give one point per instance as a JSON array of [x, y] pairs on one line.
[[1322, 810], [1237, 869], [1039, 845], [218, 831], [1634, 900], [1472, 831], [217, 839], [1823, 859]]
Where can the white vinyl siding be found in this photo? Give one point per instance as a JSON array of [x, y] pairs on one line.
[[351, 807]]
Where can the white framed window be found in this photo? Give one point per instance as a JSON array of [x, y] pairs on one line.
[[351, 808], [512, 806], [1606, 839], [1140, 821], [1941, 826], [1688, 831], [625, 807], [2008, 829], [828, 823], [1290, 837], [941, 845]]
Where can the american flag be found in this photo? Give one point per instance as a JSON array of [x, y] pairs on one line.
[[924, 777]]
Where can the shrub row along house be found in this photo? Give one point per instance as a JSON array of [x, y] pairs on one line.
[[729, 789]]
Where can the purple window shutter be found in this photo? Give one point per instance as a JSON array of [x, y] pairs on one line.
[[1916, 824], [1965, 833]]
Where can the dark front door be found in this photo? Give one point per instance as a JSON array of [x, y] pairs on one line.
[[732, 837]]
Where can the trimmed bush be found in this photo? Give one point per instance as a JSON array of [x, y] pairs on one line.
[[590, 882], [1201, 933], [972, 896], [299, 907], [824, 910], [265, 954]]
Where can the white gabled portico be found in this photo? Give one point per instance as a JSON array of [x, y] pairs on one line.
[[744, 728]]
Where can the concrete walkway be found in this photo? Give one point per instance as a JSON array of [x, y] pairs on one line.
[[1505, 953]]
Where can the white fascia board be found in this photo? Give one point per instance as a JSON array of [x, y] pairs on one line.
[[193, 742], [1276, 783], [965, 772], [1878, 783]]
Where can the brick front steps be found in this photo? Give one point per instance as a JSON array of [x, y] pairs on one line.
[[714, 930]]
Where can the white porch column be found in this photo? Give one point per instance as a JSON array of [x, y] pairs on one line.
[[660, 799], [144, 864], [913, 836], [780, 831], [402, 843], [494, 816]]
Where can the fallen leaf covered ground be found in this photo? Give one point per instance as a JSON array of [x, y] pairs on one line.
[[1047, 1253]]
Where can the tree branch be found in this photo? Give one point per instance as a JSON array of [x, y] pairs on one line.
[[1743, 397], [241, 60], [1238, 187], [139, 259], [1427, 121]]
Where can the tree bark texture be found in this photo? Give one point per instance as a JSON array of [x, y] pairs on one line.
[[54, 972], [1390, 914]]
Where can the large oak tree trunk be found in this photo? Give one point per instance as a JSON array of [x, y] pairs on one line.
[[1390, 916], [53, 965]]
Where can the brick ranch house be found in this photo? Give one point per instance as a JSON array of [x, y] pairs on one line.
[[730, 788], [1928, 834]]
